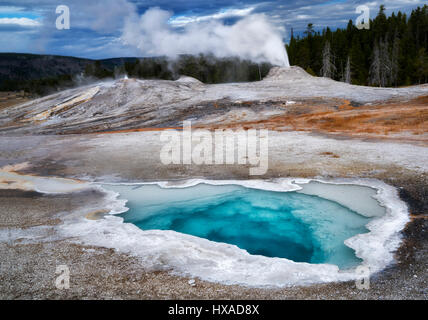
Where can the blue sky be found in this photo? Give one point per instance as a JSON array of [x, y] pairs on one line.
[[96, 26]]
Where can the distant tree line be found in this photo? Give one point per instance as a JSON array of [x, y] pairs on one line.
[[393, 52], [205, 68], [39, 87]]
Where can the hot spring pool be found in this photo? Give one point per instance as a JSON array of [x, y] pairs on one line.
[[309, 225]]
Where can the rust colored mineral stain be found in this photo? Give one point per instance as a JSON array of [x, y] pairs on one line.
[[371, 121]]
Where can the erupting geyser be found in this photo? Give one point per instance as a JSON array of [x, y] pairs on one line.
[[252, 38]]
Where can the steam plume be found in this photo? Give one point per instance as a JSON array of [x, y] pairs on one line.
[[252, 38]]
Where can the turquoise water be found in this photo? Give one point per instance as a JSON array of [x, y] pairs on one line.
[[299, 227]]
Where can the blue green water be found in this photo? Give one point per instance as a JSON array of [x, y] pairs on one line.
[[299, 227]]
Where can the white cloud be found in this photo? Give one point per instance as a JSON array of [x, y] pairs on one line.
[[24, 22], [303, 16], [181, 21], [10, 9]]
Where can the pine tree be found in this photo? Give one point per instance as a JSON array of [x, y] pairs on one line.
[[375, 67], [357, 56], [395, 55], [304, 55], [328, 68], [309, 30], [421, 64], [89, 70], [347, 73], [385, 63]]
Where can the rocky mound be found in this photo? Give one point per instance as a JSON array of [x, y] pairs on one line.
[[287, 74], [186, 79]]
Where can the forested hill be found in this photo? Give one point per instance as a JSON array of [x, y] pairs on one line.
[[43, 74], [393, 52]]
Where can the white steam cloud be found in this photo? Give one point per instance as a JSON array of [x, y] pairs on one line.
[[252, 37]]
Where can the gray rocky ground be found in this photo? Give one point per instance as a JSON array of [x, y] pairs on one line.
[[28, 267]]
